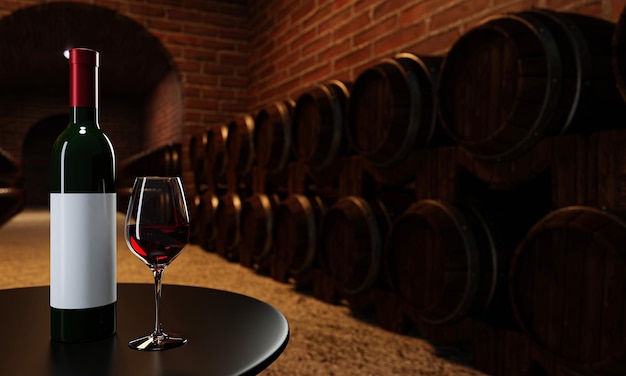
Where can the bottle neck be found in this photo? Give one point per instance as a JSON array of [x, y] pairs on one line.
[[85, 116]]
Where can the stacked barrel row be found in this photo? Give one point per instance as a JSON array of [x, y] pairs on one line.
[[476, 196], [164, 160], [11, 187]]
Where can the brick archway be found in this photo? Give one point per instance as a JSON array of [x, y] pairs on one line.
[[140, 89]]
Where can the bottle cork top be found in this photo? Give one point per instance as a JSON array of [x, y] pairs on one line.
[[84, 66], [84, 56]]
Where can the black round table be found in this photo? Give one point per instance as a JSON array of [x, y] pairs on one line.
[[228, 333]]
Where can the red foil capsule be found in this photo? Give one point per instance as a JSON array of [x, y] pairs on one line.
[[84, 68]]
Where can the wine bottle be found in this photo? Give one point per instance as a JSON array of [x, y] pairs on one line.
[[83, 289]]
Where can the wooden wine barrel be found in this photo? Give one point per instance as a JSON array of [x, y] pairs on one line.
[[296, 225], [351, 243], [499, 86], [517, 78], [589, 98], [319, 124], [240, 144], [272, 135], [567, 283], [618, 55], [10, 171], [204, 225], [173, 159], [229, 225], [11, 202], [215, 152], [392, 108], [197, 145], [11, 187], [192, 207], [155, 161], [442, 261], [160, 161], [257, 226]]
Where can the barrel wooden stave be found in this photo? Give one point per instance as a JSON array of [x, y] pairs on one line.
[[216, 160], [567, 282], [204, 225], [498, 86], [161, 161], [319, 124], [257, 226], [432, 262], [272, 135], [297, 220], [175, 161], [228, 220], [196, 147], [10, 170], [618, 56], [11, 202], [11, 187], [447, 263], [240, 144], [389, 106], [590, 97], [528, 75], [351, 240]]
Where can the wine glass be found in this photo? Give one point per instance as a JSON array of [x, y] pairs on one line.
[[156, 230]]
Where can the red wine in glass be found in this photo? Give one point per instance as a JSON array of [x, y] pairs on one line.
[[156, 230], [158, 244]]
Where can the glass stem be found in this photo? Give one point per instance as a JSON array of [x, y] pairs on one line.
[[158, 331]]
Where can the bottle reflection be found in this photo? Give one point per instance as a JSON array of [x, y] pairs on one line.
[[90, 358]]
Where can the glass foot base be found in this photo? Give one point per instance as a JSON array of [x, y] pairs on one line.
[[157, 343]]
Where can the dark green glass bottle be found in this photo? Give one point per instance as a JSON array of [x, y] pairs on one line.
[[83, 289]]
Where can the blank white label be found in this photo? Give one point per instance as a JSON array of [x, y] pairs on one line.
[[82, 250]]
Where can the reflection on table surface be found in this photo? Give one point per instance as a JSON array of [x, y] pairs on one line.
[[228, 334]]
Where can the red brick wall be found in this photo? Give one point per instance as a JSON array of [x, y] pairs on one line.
[[296, 44], [236, 56], [163, 109]]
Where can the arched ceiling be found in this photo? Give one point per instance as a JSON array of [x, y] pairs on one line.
[[32, 41]]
